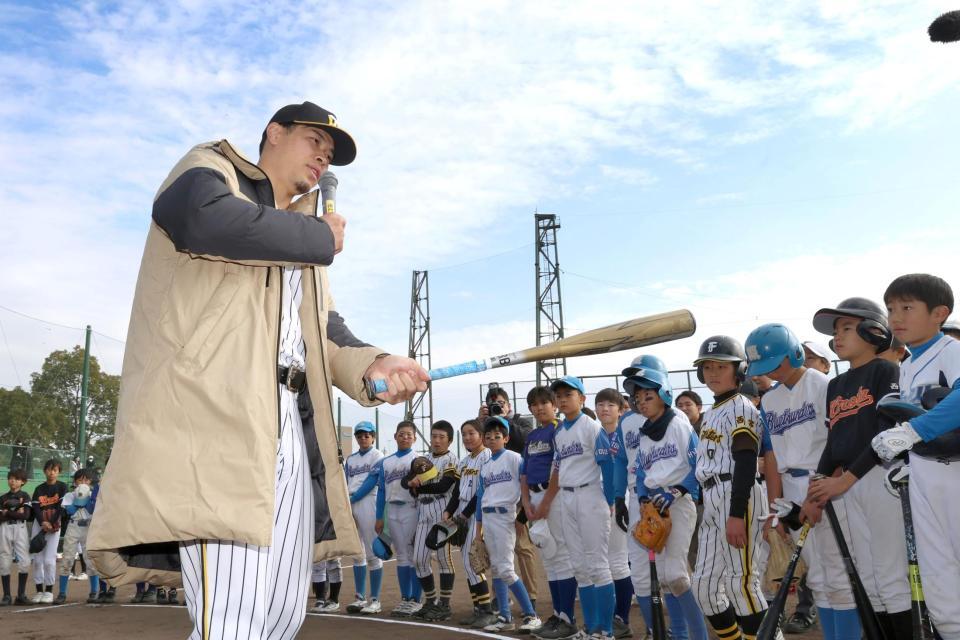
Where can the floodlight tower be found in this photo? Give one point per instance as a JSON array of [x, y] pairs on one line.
[[549, 302], [420, 407]]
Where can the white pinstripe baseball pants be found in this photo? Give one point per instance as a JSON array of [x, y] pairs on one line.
[[237, 590]]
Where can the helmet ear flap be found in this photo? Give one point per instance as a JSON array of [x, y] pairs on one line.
[[741, 371], [866, 329], [700, 373], [797, 357]]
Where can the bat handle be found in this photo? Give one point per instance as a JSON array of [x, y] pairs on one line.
[[375, 387]]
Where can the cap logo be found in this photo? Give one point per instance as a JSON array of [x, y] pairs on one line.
[[331, 120], [711, 346], [752, 352]]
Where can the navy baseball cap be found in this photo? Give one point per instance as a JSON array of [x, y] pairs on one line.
[[364, 426], [311, 115], [568, 381]]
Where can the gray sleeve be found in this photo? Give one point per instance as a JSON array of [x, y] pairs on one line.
[[203, 217], [339, 333]]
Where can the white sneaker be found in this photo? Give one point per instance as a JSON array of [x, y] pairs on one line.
[[328, 607], [47, 597], [357, 605], [83, 576], [37, 598], [373, 606], [318, 606], [413, 606], [530, 623], [502, 624], [401, 610]]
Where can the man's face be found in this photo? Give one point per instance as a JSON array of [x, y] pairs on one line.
[[404, 438], [439, 441], [504, 405], [689, 409], [298, 156]]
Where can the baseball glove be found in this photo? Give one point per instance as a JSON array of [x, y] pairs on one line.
[[653, 529], [463, 526], [479, 558]]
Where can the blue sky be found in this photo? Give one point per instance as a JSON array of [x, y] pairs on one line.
[[749, 161]]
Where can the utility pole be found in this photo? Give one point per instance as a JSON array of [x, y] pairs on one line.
[[549, 302]]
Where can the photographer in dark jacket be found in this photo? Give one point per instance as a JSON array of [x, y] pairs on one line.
[[498, 404]]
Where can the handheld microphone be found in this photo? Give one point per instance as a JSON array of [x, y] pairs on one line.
[[328, 191]]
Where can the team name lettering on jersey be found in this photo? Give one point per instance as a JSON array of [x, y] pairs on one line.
[[567, 450], [396, 474], [353, 470], [496, 478], [711, 435], [539, 447], [631, 439], [781, 422], [841, 408], [646, 458]]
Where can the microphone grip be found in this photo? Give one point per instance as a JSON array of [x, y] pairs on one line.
[[328, 192]]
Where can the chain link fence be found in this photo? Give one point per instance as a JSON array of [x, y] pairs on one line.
[[32, 461]]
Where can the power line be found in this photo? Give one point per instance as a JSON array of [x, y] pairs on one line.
[[57, 324], [10, 352], [482, 259]]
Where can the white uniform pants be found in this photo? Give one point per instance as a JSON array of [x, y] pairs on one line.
[[73, 541], [878, 545], [936, 521], [617, 551], [725, 575], [234, 589], [672, 569], [826, 575], [500, 536], [586, 530], [14, 541], [637, 555], [427, 516], [327, 570], [365, 515], [472, 576], [402, 527], [557, 566], [45, 562]]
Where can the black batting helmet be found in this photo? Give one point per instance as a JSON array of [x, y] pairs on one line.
[[722, 349], [873, 327]]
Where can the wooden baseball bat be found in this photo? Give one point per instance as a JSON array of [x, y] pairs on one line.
[[868, 617], [768, 628], [659, 630], [639, 332]]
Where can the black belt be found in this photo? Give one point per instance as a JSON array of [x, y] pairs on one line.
[[428, 500], [587, 484], [293, 378], [14, 522], [712, 481], [540, 486]]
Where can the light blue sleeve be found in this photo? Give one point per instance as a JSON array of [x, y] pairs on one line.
[[604, 458], [382, 493], [690, 482], [619, 464], [640, 488], [478, 514], [943, 418], [70, 509], [373, 478]]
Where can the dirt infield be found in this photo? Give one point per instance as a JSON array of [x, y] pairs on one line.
[[80, 621]]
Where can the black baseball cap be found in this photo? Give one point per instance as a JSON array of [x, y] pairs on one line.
[[311, 115]]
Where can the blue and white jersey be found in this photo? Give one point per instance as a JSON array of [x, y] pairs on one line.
[[393, 469], [469, 471], [358, 467], [796, 418], [670, 461], [500, 481], [933, 364], [580, 448], [625, 443]]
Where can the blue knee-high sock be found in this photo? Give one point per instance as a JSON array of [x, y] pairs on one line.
[[678, 625], [554, 596], [63, 584], [588, 605], [519, 592], [828, 623], [646, 610], [360, 580], [94, 584], [567, 590], [846, 624], [416, 591], [403, 577], [376, 579], [606, 602], [693, 615], [624, 592], [503, 600]]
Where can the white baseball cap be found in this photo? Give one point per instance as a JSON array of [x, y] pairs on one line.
[[818, 349], [541, 539]]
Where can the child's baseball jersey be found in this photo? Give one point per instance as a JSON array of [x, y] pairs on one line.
[[358, 467], [796, 418], [731, 415], [625, 443], [667, 455], [581, 446], [445, 463], [538, 455], [469, 471], [393, 469], [499, 482], [934, 364]]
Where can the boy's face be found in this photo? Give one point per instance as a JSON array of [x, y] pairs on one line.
[[783, 372], [364, 439], [52, 474], [912, 322], [847, 343], [719, 376], [14, 483], [689, 408], [569, 401], [543, 411], [405, 438], [649, 403], [439, 441], [608, 412], [495, 440], [471, 437]]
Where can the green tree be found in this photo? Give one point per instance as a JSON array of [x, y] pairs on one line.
[[23, 419]]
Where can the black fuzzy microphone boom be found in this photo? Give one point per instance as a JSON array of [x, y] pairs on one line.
[[946, 28]]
